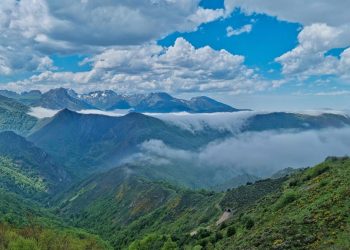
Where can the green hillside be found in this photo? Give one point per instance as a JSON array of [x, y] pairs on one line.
[[308, 210], [122, 207], [26, 225], [14, 117], [27, 170], [311, 211]]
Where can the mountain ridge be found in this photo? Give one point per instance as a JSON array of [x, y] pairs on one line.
[[159, 102]]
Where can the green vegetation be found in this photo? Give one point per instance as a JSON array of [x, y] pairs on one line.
[[12, 175], [26, 225], [37, 238], [124, 208], [310, 211], [307, 210], [28, 170], [14, 117]]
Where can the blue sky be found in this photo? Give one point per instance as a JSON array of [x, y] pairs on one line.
[[264, 54]]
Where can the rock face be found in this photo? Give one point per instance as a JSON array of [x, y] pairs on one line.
[[62, 98]]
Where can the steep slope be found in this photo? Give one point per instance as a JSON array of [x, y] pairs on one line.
[[90, 141], [25, 225], [14, 117], [27, 170], [309, 211], [205, 104], [60, 99], [121, 207]]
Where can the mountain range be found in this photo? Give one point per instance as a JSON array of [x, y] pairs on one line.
[[83, 181], [109, 100]]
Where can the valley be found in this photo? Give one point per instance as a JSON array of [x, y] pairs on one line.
[[140, 181], [174, 125]]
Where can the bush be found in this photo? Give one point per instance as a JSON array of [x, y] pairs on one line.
[[219, 236], [286, 199], [249, 224], [203, 233], [231, 231], [223, 225]]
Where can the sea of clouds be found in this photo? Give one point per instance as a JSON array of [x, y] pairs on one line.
[[256, 153]]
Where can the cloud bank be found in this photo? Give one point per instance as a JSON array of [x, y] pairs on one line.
[[260, 154]]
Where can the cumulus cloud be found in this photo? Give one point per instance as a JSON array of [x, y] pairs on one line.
[[326, 26], [178, 68], [309, 57], [124, 22], [19, 26], [334, 13], [230, 31], [31, 30], [260, 154]]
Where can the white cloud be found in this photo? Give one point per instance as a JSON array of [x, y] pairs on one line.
[[179, 68], [259, 154], [309, 58], [230, 31], [124, 22], [31, 30], [326, 26], [75, 24], [334, 13]]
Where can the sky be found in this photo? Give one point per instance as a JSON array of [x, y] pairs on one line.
[[259, 54]]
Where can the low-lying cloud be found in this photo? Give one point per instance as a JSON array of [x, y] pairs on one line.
[[258, 153]]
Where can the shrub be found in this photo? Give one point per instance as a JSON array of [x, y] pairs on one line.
[[294, 183], [223, 225], [249, 224], [203, 233], [286, 199], [231, 231], [218, 236]]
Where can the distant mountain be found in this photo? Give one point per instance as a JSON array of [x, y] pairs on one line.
[[14, 116], [28, 170], [153, 103], [205, 104], [161, 103], [105, 100], [164, 103], [294, 121], [60, 99], [27, 98], [86, 143], [89, 141]]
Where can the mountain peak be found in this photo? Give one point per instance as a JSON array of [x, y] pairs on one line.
[[66, 113]]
